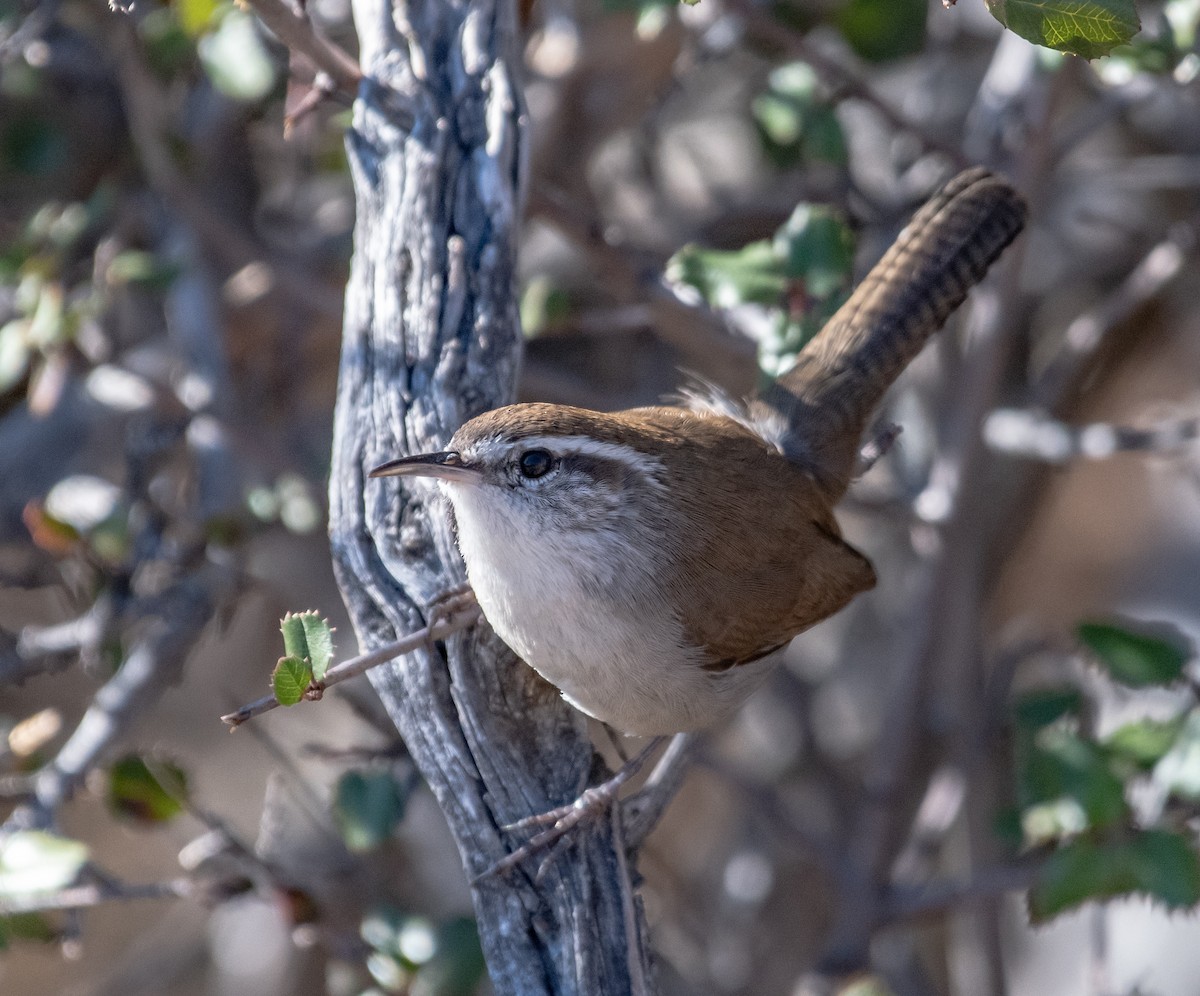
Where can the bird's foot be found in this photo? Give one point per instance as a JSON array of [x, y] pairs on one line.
[[559, 822], [446, 606]]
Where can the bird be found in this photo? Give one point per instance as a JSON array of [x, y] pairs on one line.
[[652, 563]]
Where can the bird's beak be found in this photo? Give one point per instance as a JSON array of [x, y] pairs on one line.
[[447, 466]]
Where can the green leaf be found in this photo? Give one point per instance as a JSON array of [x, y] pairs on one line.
[[1134, 659], [368, 807], [795, 124], [726, 279], [1058, 764], [879, 30], [1156, 863], [1036, 709], [26, 927], [1144, 742], [33, 862], [290, 680], [1178, 771], [236, 59], [14, 353], [457, 966], [141, 268], [817, 247], [196, 16], [146, 792], [309, 637], [1088, 28]]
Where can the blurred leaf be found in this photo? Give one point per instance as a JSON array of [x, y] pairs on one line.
[[1088, 28], [196, 16], [726, 279], [46, 326], [146, 793], [794, 123], [1144, 742], [1034, 710], [290, 680], [307, 636], [33, 862], [48, 533], [1057, 763], [879, 30], [26, 927], [1178, 772], [236, 59], [1134, 659], [543, 304], [168, 47], [14, 353], [1156, 863], [32, 145], [368, 807], [817, 247], [142, 268], [457, 967]]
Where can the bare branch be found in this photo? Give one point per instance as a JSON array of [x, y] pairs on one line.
[[1035, 435], [94, 894], [298, 34]]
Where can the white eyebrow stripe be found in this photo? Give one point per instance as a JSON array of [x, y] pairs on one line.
[[587, 446], [582, 446]]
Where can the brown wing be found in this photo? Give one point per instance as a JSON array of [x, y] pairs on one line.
[[760, 564]]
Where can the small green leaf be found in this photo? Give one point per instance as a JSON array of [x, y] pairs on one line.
[[795, 123], [1144, 742], [33, 862], [457, 967], [140, 268], [1178, 771], [1088, 28], [146, 792], [14, 353], [290, 679], [726, 279], [368, 807], [319, 636], [26, 927], [1156, 863], [235, 58], [196, 16], [1059, 764], [309, 637], [1036, 709], [1134, 659], [817, 247], [880, 30]]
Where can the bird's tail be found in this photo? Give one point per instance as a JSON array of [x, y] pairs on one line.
[[840, 377]]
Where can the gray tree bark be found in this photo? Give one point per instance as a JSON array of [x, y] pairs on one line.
[[431, 338]]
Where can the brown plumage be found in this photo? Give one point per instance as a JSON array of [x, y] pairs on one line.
[[648, 562]]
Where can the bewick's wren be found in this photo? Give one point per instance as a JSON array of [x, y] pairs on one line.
[[650, 562]]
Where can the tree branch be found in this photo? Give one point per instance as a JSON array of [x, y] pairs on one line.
[[298, 34], [431, 338]]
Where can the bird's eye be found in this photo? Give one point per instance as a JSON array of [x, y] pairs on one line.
[[535, 463]]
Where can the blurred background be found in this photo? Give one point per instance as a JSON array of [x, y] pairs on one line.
[[706, 183]]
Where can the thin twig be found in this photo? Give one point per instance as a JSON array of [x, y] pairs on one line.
[[298, 35], [1035, 435], [707, 341], [93, 894], [771, 30], [907, 903], [1087, 332], [364, 662]]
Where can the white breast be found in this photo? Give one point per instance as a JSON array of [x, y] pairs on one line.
[[617, 656]]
